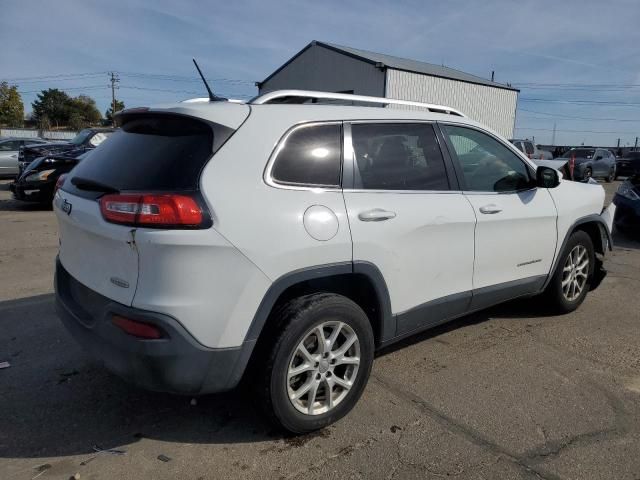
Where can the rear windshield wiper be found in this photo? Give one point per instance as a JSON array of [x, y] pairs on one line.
[[92, 185]]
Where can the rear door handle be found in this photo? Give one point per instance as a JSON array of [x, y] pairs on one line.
[[376, 215], [490, 209]]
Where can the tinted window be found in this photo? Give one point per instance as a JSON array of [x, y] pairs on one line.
[[9, 145], [310, 156], [151, 152], [80, 137], [580, 153], [398, 156], [517, 144], [487, 165], [528, 146]]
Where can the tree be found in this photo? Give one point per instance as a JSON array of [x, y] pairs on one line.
[[55, 107], [52, 104], [108, 114], [11, 107], [83, 110]]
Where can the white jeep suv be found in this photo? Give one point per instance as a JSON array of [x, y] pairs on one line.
[[285, 242]]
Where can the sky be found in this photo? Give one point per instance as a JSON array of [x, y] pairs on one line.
[[576, 62]]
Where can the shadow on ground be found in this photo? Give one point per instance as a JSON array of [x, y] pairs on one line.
[[56, 401]]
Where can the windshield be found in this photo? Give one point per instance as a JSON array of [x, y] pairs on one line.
[[580, 153], [80, 137]]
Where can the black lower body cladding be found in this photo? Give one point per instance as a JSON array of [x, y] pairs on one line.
[[176, 363]]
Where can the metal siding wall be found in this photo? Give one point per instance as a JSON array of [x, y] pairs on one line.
[[319, 68], [494, 107]]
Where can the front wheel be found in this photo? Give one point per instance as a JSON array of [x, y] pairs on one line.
[[572, 279], [318, 364]]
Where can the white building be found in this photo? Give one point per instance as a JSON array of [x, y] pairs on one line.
[[334, 68]]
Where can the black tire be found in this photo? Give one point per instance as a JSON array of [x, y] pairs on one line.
[[293, 322], [556, 300], [588, 173], [612, 176]]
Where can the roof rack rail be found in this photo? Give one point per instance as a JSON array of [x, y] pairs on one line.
[[308, 94]]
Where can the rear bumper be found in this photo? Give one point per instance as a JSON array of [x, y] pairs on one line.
[[30, 192], [175, 364]]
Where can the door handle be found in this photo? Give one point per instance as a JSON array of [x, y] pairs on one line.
[[490, 209], [376, 215]]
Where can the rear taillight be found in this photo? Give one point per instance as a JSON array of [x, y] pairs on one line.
[[59, 182], [137, 329], [153, 210]]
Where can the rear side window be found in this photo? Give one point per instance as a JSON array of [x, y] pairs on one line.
[[310, 155], [151, 153], [528, 146], [398, 156]]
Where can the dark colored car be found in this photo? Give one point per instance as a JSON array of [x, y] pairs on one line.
[[87, 139], [627, 201], [590, 162], [628, 165], [37, 182]]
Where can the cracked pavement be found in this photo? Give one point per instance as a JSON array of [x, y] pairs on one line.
[[505, 393]]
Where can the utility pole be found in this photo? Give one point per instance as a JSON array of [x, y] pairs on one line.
[[553, 137], [114, 85]]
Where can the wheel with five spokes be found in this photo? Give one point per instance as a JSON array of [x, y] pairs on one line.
[[572, 279], [319, 363]]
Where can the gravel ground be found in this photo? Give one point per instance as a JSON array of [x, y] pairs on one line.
[[506, 393]]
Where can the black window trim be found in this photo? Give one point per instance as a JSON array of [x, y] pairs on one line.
[[272, 182], [508, 145], [348, 180]]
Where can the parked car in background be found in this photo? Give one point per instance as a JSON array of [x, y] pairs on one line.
[[37, 182], [208, 239], [589, 162], [628, 165], [9, 148], [531, 150], [87, 139], [627, 201]]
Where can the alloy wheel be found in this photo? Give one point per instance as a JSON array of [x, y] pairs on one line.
[[323, 368], [575, 273]]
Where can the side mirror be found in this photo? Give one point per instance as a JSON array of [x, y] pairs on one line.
[[547, 177]]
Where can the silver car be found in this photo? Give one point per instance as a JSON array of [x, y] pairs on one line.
[[9, 148]]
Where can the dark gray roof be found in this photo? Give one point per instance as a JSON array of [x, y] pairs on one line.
[[399, 63]]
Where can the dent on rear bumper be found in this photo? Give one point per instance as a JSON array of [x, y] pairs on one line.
[[175, 364]]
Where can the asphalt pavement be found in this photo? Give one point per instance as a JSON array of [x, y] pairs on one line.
[[506, 393]]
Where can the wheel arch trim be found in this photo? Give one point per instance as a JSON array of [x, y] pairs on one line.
[[605, 235], [280, 285]]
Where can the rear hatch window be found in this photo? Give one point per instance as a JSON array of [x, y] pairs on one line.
[[151, 152]]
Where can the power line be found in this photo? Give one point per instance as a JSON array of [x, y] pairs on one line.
[[88, 87], [573, 131], [581, 102], [45, 77], [572, 117], [577, 84]]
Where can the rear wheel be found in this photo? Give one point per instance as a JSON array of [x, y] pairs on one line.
[[588, 173], [612, 175], [318, 364], [572, 279]]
